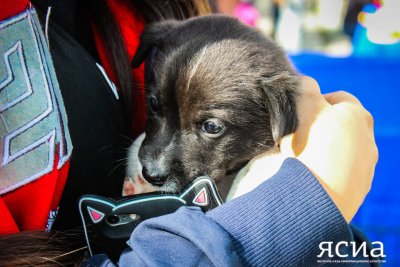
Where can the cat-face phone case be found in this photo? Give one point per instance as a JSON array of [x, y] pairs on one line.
[[108, 223]]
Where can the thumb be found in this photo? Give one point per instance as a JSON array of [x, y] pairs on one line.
[[309, 105]]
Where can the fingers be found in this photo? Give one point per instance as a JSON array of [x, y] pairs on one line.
[[340, 97], [310, 96], [309, 86], [309, 105]]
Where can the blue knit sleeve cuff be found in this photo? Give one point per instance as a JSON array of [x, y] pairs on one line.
[[283, 220]]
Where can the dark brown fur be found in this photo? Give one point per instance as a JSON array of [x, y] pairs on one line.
[[211, 68]]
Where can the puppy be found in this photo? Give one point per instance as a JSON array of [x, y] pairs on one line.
[[218, 94]]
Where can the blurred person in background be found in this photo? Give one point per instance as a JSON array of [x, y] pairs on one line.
[[290, 25], [354, 7], [377, 33], [244, 10]]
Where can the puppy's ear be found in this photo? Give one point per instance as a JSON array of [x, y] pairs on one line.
[[281, 94], [151, 36]]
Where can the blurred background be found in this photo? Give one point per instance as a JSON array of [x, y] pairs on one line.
[[351, 45]]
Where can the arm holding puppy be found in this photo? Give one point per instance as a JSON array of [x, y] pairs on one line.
[[335, 140], [309, 200]]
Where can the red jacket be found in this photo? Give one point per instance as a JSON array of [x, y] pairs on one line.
[[33, 172]]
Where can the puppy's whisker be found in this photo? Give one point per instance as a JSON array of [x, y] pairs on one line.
[[119, 160], [113, 150], [126, 137], [121, 164], [105, 148]]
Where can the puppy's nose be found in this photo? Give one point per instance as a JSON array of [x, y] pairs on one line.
[[153, 177]]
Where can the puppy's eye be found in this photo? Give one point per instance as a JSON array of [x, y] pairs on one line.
[[211, 127], [153, 103]]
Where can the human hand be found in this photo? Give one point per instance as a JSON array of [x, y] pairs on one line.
[[335, 140]]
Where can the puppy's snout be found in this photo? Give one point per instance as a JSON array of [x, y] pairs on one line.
[[154, 176]]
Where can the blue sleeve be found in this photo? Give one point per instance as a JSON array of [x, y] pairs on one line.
[[281, 222]]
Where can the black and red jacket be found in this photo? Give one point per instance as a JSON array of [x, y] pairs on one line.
[[62, 127]]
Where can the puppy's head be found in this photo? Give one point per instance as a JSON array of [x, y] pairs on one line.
[[218, 93]]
